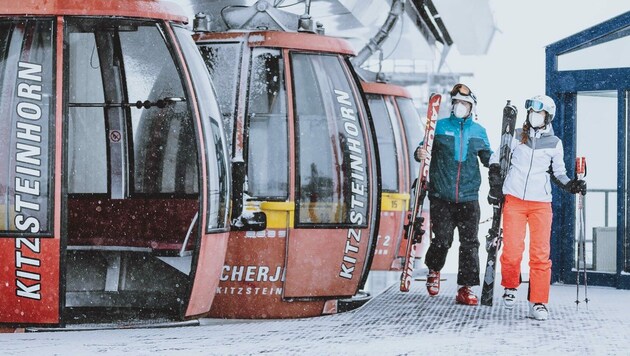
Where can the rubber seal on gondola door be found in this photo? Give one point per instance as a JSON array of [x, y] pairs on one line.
[[330, 307]]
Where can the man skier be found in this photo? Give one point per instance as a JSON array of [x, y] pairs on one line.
[[454, 180]]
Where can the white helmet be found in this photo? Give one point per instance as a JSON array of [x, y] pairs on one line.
[[463, 92], [542, 102]]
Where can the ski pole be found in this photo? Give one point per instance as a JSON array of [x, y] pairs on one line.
[[580, 170], [577, 274], [582, 200]]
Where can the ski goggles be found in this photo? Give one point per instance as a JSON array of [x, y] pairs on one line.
[[461, 89], [464, 90], [535, 105]]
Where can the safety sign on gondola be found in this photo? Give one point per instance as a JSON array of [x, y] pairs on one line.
[[115, 136]]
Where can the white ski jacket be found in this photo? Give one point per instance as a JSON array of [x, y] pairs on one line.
[[534, 164]]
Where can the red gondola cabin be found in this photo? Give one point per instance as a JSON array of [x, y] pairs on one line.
[[303, 157], [114, 182]]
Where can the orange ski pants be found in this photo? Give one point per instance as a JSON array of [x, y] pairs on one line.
[[517, 214]]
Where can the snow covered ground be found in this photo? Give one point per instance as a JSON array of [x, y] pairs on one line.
[[393, 323]]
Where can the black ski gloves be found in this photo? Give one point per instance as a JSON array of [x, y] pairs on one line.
[[417, 154], [576, 186], [495, 196]]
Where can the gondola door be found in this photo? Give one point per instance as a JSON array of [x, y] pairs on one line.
[[327, 248], [394, 172], [29, 198], [132, 172]]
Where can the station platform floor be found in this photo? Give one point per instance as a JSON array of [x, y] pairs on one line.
[[391, 323]]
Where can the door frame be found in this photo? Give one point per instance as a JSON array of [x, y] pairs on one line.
[[563, 86]]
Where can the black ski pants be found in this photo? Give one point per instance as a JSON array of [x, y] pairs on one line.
[[445, 217]]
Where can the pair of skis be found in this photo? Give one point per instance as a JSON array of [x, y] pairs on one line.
[[413, 231], [495, 234]]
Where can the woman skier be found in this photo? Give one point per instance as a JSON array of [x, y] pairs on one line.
[[537, 159]]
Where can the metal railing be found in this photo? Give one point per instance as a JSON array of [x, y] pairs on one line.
[[607, 193], [597, 258]]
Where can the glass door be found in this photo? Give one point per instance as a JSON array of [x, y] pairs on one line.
[[596, 133], [328, 250]]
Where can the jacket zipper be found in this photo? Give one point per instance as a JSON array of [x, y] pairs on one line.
[[531, 161], [459, 162]]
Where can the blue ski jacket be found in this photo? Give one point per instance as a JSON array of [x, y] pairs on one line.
[[454, 171]]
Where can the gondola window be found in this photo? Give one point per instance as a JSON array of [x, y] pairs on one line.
[[26, 126], [333, 179]]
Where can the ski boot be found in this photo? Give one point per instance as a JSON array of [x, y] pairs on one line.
[[466, 296], [509, 298], [433, 283], [538, 311]]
